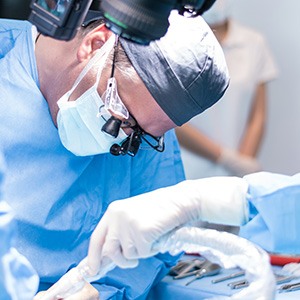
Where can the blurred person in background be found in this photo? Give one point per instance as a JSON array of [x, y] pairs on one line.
[[225, 140]]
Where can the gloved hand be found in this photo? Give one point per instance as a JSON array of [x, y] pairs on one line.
[[130, 227], [87, 292], [237, 163]]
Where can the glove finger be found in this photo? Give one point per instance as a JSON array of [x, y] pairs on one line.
[[97, 241], [140, 250], [113, 250], [130, 252], [163, 243]]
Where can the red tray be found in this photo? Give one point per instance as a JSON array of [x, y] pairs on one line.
[[275, 258], [283, 259]]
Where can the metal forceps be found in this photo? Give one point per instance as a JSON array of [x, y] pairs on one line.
[[208, 269], [186, 268]]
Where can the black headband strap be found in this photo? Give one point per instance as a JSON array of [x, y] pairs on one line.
[[115, 56]]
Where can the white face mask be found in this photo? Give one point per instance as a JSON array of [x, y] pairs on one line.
[[78, 122], [219, 13]]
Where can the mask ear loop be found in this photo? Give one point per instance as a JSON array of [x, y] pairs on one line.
[[115, 56], [103, 52], [111, 99]]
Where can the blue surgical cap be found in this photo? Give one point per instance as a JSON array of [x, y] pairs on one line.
[[185, 71]]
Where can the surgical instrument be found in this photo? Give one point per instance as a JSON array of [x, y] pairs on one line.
[[208, 269], [289, 287], [283, 279], [191, 269], [244, 283], [238, 284], [230, 276]]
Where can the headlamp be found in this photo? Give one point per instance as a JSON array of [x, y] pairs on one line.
[[135, 20]]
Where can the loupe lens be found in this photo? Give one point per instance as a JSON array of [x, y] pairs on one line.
[[112, 126]]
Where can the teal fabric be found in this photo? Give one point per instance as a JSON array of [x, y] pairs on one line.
[[58, 197]]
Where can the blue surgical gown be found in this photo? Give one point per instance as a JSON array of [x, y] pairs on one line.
[[18, 280], [274, 212], [58, 198]]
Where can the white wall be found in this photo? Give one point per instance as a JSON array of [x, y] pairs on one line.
[[279, 21]]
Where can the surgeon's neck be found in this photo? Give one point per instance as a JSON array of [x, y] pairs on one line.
[[57, 69]]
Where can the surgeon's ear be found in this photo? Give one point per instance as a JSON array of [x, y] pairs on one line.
[[92, 41]]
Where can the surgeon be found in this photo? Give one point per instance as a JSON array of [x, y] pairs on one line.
[[87, 122], [265, 205]]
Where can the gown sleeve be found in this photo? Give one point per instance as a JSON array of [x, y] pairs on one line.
[[274, 209], [150, 170]]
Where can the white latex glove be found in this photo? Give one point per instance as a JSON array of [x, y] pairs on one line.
[[130, 227], [237, 163], [87, 292]]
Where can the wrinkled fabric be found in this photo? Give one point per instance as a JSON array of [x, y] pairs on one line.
[[58, 197], [18, 280], [191, 69], [228, 251], [274, 209]]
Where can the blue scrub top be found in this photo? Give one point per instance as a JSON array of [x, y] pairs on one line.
[[58, 198]]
